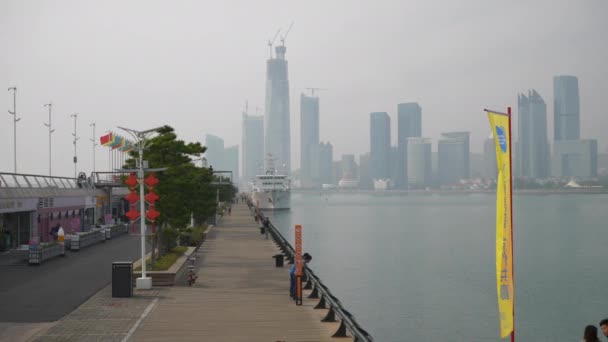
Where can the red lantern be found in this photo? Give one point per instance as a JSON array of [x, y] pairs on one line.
[[131, 181], [132, 197], [151, 197], [152, 214], [132, 214], [151, 181]]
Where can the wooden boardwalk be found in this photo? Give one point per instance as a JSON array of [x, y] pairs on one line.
[[239, 296]]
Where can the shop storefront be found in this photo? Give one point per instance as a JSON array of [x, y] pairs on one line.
[[17, 223]]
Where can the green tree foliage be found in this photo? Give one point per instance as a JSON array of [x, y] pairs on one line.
[[183, 188]]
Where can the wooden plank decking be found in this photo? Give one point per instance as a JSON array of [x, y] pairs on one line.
[[239, 296]]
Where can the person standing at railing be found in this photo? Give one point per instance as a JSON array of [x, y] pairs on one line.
[[306, 258]]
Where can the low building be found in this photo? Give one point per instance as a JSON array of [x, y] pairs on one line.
[[574, 158]]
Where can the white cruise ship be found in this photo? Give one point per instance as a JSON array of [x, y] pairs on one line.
[[271, 191]]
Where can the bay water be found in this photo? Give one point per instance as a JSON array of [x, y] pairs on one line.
[[421, 267]]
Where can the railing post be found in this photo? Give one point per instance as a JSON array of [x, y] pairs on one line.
[[321, 304], [315, 293], [341, 330], [330, 317]]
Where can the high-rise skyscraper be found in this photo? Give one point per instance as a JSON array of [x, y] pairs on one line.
[[566, 108], [419, 163], [575, 158], [409, 125], [380, 145], [454, 158], [326, 155], [252, 147], [277, 141], [365, 179], [309, 139], [349, 167], [533, 146], [231, 157], [215, 151]]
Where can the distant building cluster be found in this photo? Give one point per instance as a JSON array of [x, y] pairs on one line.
[[572, 156], [222, 158], [412, 163]]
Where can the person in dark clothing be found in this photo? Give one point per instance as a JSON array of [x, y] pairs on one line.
[[306, 258], [54, 232], [604, 326], [590, 334]]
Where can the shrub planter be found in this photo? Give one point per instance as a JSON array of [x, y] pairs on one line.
[[40, 253], [82, 240], [170, 276], [115, 230]]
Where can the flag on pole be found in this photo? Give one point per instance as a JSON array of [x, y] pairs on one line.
[[116, 143], [120, 144], [104, 140], [127, 146], [501, 129]]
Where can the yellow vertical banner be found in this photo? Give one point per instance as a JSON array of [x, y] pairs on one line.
[[501, 129]]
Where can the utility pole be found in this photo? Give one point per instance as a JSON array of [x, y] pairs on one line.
[[15, 119], [94, 144], [50, 105], [75, 116], [141, 138]]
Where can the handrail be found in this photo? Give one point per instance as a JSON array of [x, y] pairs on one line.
[[336, 309], [22, 180]]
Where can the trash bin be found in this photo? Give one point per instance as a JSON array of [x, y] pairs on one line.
[[278, 260], [262, 230], [122, 279]]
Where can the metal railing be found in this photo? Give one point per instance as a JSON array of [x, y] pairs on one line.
[[20, 181], [319, 291], [109, 178]]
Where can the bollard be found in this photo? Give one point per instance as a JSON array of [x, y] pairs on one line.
[[278, 260]]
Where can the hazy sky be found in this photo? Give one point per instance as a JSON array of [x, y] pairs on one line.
[[192, 65]]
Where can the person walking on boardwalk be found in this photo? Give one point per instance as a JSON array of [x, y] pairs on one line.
[[306, 258], [604, 326], [590, 334]]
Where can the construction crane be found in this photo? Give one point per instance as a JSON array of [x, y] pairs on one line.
[[271, 42], [286, 33], [312, 90]]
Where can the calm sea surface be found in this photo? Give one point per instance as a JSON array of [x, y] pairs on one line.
[[422, 267]]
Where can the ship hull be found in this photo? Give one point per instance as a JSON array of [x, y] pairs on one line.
[[272, 199]]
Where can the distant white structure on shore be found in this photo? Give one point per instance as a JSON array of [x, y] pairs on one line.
[[382, 184], [345, 183], [574, 184]]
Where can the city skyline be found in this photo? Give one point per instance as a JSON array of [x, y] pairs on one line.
[[197, 83]]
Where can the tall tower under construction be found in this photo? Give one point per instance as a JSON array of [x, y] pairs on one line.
[[276, 117]]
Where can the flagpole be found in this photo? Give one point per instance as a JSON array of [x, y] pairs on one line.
[[511, 214]]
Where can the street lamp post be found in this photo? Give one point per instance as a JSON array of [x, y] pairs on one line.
[[94, 144], [50, 105], [15, 119], [75, 116], [141, 138]]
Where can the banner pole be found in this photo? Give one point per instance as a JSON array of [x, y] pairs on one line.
[[511, 199]]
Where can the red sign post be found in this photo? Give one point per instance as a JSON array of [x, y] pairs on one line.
[[298, 256]]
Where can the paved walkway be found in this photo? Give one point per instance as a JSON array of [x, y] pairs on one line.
[[240, 296]]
